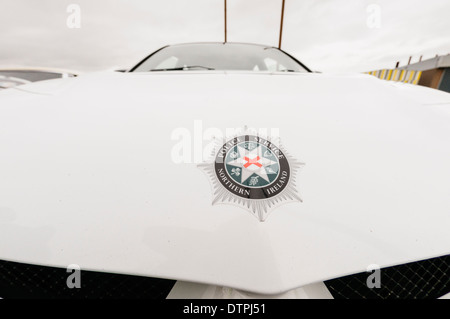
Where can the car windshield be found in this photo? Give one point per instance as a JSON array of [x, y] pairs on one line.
[[219, 56]]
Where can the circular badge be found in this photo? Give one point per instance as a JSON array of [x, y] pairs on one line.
[[251, 167]]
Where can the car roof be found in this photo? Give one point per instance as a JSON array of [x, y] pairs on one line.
[[222, 43]]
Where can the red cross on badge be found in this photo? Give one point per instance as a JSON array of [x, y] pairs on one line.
[[254, 161]]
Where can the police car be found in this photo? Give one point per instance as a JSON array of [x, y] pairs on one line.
[[224, 170]]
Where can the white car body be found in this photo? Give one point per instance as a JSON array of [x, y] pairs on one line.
[[87, 177]]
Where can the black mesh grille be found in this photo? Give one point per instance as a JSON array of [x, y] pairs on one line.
[[26, 281], [426, 279]]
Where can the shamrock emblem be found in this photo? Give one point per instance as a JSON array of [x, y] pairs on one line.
[[236, 171]]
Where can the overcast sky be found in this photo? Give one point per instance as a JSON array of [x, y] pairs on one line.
[[326, 35]]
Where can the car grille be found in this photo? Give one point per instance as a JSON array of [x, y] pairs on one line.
[[24, 281], [425, 279]]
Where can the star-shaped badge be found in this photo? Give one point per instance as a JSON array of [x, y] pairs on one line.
[[252, 172]]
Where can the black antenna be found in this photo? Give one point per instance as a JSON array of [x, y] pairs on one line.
[[225, 7], [281, 25]]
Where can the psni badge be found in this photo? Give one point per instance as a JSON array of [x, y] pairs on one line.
[[252, 172]]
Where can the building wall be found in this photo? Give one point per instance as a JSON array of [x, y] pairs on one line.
[[431, 78], [444, 84]]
